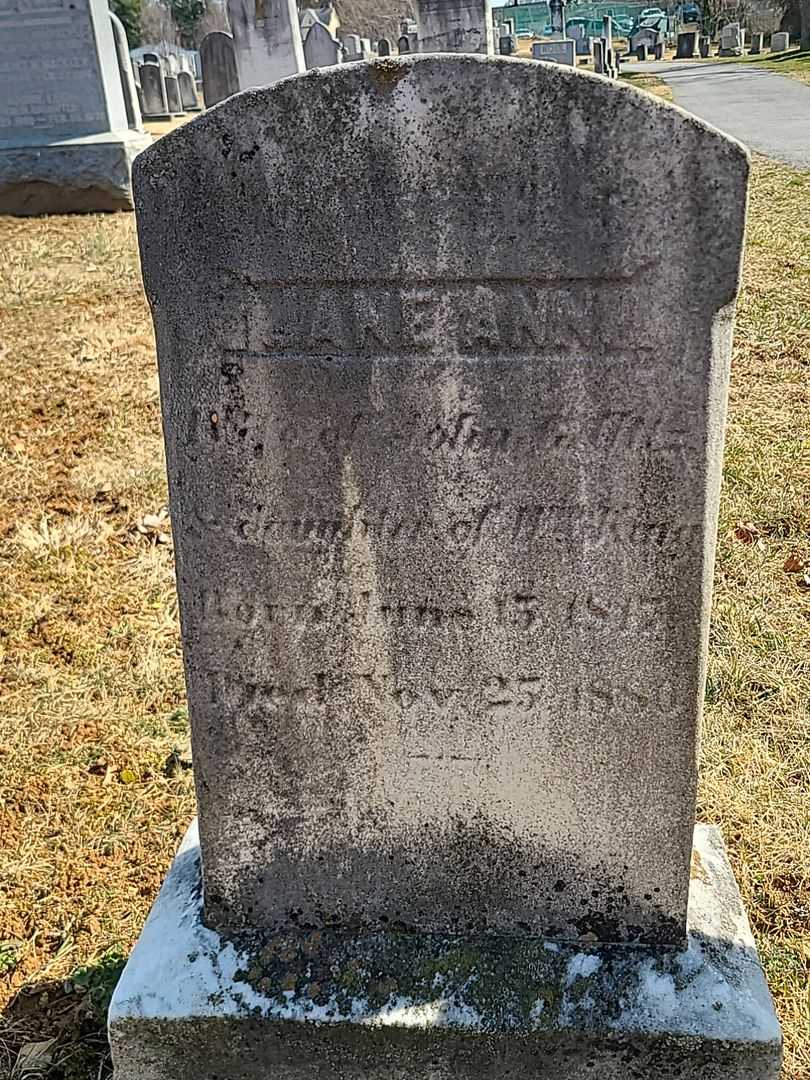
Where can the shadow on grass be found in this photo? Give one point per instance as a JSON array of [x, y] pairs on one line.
[[57, 1030]]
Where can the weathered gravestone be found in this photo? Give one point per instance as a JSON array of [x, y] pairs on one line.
[[455, 26], [556, 52], [686, 46], [320, 48], [66, 139], [756, 44], [731, 40], [780, 42], [188, 92], [218, 60], [173, 99], [153, 92], [267, 40], [444, 539], [383, 47], [403, 44], [704, 45], [352, 47]]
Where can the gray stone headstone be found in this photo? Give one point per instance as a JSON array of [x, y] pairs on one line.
[[150, 58], [444, 533], [126, 74], [686, 45], [599, 59], [188, 92], [756, 44], [153, 92], [437, 609], [780, 42], [644, 36], [641, 51], [353, 47], [66, 140], [731, 43], [267, 40], [403, 44], [455, 26], [704, 45], [320, 48], [383, 47], [556, 52], [218, 61], [173, 99]]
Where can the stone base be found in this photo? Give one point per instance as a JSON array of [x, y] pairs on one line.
[[192, 1005], [70, 176]]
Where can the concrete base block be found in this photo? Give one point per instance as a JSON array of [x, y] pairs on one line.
[[192, 1005], [70, 176]]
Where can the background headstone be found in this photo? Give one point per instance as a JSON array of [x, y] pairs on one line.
[[383, 47], [320, 48], [188, 92], [218, 59], [780, 42], [756, 44], [352, 46], [173, 99], [731, 40], [66, 141], [267, 40], [556, 52], [126, 74], [456, 26], [153, 92], [686, 45], [403, 44]]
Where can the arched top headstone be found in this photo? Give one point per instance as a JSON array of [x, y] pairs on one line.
[[218, 61], [383, 47], [444, 521], [404, 44]]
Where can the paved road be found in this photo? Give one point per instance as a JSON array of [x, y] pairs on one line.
[[769, 113]]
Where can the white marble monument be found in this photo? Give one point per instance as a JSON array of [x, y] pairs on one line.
[[66, 142]]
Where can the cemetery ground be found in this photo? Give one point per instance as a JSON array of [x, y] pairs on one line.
[[95, 779]]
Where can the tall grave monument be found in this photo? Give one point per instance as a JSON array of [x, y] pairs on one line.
[[66, 141], [444, 544], [455, 26], [267, 40]]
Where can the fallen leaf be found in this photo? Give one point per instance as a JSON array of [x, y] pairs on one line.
[[127, 776], [747, 532], [795, 563]]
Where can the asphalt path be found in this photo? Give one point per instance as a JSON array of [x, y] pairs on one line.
[[769, 113]]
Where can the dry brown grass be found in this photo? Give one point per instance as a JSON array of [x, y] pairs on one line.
[[92, 798]]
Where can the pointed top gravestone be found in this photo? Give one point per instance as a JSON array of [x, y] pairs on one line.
[[444, 528], [320, 48]]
